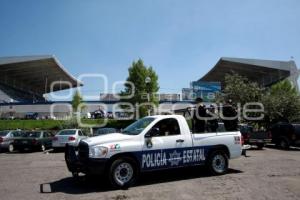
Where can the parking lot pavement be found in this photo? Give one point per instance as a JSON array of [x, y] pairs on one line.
[[265, 174]]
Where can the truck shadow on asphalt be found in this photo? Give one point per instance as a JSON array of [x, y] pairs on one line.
[[99, 184]]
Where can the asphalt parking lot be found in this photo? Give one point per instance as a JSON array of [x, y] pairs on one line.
[[265, 174]]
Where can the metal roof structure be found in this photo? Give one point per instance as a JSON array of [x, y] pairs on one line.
[[264, 72], [35, 74]]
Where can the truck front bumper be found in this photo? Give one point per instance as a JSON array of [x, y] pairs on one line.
[[76, 164]]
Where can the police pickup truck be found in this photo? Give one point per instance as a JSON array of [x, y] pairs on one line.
[[152, 143]]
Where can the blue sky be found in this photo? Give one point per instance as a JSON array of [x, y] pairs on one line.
[[181, 39]]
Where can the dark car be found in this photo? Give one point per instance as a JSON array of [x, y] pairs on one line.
[[257, 138], [285, 134], [34, 140], [98, 114], [103, 131], [31, 115]]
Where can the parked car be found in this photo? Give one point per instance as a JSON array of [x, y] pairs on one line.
[[257, 138], [70, 136], [7, 138], [103, 131], [158, 142], [98, 114], [31, 115], [285, 134], [33, 140]]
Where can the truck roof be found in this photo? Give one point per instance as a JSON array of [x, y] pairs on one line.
[[167, 116]]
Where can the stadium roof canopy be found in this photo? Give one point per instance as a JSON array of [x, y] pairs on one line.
[[35, 74], [264, 72]]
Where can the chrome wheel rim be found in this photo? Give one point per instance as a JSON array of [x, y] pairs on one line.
[[11, 148], [123, 173], [219, 163]]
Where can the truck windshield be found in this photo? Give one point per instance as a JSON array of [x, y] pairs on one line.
[[138, 126]]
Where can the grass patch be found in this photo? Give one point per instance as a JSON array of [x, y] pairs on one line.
[[58, 124]]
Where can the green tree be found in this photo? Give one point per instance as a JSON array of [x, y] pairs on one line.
[[137, 74], [76, 101], [240, 90], [282, 101]]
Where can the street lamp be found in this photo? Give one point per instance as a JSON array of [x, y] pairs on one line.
[[148, 81]]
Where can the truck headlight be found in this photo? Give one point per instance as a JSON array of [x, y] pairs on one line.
[[98, 152]]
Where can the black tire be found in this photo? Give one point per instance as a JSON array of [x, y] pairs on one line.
[[217, 162], [260, 146], [123, 172], [21, 150], [284, 143]]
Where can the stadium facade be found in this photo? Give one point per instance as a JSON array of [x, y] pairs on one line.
[[25, 80], [28, 78], [264, 72]]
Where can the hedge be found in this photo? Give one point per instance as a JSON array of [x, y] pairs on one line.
[[58, 124]]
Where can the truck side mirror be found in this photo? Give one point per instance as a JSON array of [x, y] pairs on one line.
[[152, 132]]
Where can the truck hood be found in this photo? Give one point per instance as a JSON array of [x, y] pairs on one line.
[[109, 138]]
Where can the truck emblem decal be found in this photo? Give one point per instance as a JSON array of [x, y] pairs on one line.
[[115, 147], [174, 158], [149, 143]]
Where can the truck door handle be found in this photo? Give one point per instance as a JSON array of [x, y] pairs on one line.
[[180, 140]]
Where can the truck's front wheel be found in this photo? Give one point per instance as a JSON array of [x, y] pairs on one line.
[[123, 173], [218, 163]]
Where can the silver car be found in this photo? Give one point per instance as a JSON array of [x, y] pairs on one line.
[[67, 136], [7, 138]]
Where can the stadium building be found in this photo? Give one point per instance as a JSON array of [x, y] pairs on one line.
[[264, 72], [24, 81], [28, 78]]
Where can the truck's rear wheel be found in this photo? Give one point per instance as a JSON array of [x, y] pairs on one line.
[[283, 143], [123, 173], [218, 162]]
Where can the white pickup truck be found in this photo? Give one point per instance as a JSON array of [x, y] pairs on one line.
[[152, 143]]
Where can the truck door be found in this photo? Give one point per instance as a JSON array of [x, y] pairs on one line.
[[165, 148]]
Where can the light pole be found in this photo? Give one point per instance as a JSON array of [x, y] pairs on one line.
[[148, 81]]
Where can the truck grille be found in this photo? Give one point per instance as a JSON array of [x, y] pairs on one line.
[[83, 151]]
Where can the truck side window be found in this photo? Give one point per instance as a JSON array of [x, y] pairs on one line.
[[167, 127]]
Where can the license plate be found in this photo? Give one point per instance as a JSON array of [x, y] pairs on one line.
[[24, 142], [260, 141], [62, 140]]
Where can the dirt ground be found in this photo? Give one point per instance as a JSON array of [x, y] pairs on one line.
[[265, 174]]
